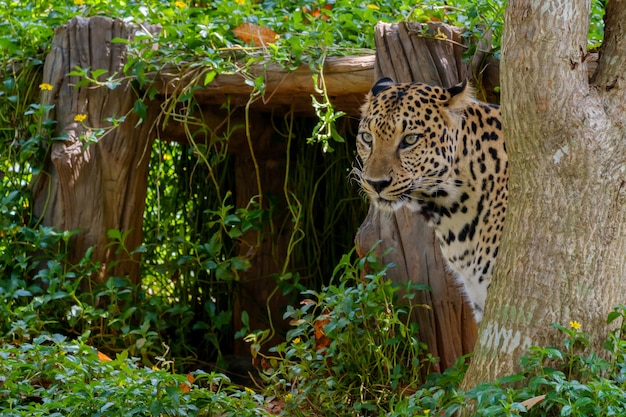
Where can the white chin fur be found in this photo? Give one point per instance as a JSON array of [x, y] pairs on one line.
[[385, 205]]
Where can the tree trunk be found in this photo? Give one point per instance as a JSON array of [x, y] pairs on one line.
[[100, 186], [563, 252]]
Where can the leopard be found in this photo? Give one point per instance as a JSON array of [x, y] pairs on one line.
[[441, 153]]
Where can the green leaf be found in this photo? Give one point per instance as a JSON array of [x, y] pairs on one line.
[[21, 293], [120, 40], [613, 315], [97, 73], [141, 109], [209, 77]]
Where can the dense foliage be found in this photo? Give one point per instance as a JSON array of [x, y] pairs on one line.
[[190, 257], [51, 329]]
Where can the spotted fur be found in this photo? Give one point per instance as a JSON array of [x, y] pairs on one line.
[[440, 152]]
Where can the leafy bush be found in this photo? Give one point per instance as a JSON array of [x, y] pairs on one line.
[[51, 376], [353, 348], [352, 351], [343, 374]]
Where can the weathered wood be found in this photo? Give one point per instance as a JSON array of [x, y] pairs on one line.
[[428, 53], [347, 81], [100, 186], [407, 53]]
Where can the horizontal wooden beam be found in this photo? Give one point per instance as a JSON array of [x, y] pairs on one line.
[[347, 81]]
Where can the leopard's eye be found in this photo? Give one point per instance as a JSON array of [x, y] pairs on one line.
[[367, 138], [409, 140]]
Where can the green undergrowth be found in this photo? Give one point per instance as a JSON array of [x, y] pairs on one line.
[[53, 376], [352, 351]]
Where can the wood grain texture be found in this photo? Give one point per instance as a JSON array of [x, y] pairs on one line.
[[100, 186], [410, 52], [347, 80]]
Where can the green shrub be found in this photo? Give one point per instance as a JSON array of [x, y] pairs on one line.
[[567, 381], [52, 376], [353, 347]]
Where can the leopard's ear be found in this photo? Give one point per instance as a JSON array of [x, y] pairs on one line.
[[382, 84], [461, 95], [457, 89]]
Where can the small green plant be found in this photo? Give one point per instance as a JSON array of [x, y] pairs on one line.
[[565, 381], [353, 347]]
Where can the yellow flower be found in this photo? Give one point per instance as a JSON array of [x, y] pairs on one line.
[[167, 157], [80, 118], [45, 87], [79, 2], [575, 325], [373, 7], [180, 4], [296, 340], [426, 412], [240, 2]]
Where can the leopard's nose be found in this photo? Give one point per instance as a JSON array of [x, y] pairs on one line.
[[379, 184]]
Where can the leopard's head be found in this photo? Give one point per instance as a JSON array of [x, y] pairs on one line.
[[407, 142]]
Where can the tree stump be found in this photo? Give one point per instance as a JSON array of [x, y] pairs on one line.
[[101, 185], [406, 53]]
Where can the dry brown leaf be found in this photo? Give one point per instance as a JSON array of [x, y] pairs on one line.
[[317, 12], [533, 401], [254, 34], [321, 340], [184, 387]]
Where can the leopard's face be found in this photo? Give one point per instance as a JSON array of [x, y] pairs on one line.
[[441, 153], [406, 144]]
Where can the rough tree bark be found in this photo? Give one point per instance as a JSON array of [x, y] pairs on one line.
[[563, 254]]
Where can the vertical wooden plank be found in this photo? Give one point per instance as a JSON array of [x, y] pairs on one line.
[[257, 290], [98, 186], [448, 328]]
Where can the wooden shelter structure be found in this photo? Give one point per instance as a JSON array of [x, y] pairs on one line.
[[102, 186]]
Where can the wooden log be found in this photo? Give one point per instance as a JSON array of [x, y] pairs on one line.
[[347, 80], [410, 52], [97, 186]]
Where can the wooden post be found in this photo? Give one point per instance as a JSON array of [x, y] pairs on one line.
[[406, 53], [99, 186]]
